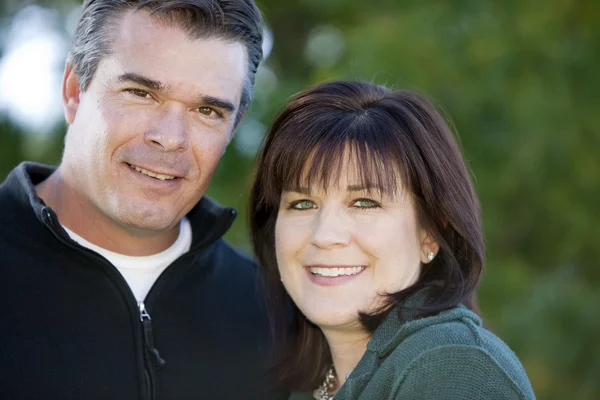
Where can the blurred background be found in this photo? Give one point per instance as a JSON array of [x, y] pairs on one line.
[[518, 79]]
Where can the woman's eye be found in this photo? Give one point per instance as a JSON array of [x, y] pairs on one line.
[[302, 205], [365, 203]]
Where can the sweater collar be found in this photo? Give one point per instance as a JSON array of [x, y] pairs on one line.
[[399, 323], [209, 220], [397, 326]]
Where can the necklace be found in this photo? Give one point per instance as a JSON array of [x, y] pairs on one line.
[[322, 393]]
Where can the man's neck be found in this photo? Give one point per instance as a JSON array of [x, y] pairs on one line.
[[347, 348], [77, 213]]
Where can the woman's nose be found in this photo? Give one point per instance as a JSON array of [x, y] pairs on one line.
[[331, 229]]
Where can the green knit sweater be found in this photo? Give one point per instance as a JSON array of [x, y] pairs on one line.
[[447, 356]]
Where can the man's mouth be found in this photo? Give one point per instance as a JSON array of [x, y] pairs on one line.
[[152, 174]]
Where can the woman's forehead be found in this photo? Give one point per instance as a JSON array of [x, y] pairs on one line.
[[349, 175]]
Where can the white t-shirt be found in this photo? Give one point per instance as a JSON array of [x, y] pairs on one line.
[[141, 272]]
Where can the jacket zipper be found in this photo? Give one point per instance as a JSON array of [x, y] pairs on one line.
[[53, 224], [152, 355], [150, 352]]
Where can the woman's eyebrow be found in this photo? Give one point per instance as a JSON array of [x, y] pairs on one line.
[[361, 187], [350, 188], [302, 190]]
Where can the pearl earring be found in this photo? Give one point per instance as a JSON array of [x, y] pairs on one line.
[[430, 256]]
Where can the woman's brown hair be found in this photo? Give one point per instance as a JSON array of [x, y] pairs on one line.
[[386, 132]]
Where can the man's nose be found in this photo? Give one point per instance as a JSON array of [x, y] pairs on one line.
[[169, 132], [331, 229]]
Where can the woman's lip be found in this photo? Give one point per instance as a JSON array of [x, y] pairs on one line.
[[333, 266], [331, 280]]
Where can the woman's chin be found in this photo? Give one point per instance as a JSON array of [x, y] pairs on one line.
[[345, 319]]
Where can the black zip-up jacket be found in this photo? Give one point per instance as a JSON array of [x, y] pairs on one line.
[[70, 327]]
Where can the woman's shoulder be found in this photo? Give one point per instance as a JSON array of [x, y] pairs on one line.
[[452, 353]]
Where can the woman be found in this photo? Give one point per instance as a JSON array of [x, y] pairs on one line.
[[363, 212]]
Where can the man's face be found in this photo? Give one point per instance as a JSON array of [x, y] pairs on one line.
[[148, 132]]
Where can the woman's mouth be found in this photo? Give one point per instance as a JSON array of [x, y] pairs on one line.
[[336, 271], [332, 275]]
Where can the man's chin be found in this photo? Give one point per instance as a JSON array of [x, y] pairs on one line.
[[148, 222]]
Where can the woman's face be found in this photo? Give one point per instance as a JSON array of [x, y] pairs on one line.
[[336, 250]]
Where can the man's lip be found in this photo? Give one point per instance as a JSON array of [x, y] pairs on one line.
[[168, 173]]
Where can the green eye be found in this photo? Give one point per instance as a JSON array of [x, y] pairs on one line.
[[302, 205], [365, 203]]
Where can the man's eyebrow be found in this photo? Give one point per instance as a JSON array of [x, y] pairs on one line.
[[215, 102], [149, 83], [158, 86]]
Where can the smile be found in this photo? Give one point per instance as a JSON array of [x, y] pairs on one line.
[[339, 271], [155, 175]]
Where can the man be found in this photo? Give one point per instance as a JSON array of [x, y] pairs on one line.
[[114, 280]]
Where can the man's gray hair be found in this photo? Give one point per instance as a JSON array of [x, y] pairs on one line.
[[233, 20]]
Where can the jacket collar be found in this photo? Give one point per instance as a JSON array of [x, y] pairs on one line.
[[209, 220]]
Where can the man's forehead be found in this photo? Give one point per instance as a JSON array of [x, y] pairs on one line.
[[211, 65]]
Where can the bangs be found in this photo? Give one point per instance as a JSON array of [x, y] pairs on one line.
[[320, 154]]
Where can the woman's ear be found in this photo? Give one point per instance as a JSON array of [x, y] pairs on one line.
[[70, 93], [429, 247]]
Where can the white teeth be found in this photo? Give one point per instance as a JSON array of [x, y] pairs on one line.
[[153, 174], [164, 177], [336, 271]]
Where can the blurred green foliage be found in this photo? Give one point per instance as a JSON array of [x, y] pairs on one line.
[[519, 81]]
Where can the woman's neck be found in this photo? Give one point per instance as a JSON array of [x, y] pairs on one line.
[[347, 348]]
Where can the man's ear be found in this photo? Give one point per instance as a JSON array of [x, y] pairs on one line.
[[429, 247], [70, 93]]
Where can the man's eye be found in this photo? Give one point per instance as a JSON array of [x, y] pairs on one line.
[[365, 203], [302, 205], [138, 93], [209, 112]]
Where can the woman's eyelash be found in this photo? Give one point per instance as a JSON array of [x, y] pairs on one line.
[[363, 204], [295, 205], [369, 203]]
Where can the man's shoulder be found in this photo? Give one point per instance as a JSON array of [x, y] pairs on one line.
[[17, 195], [233, 265], [234, 256]]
